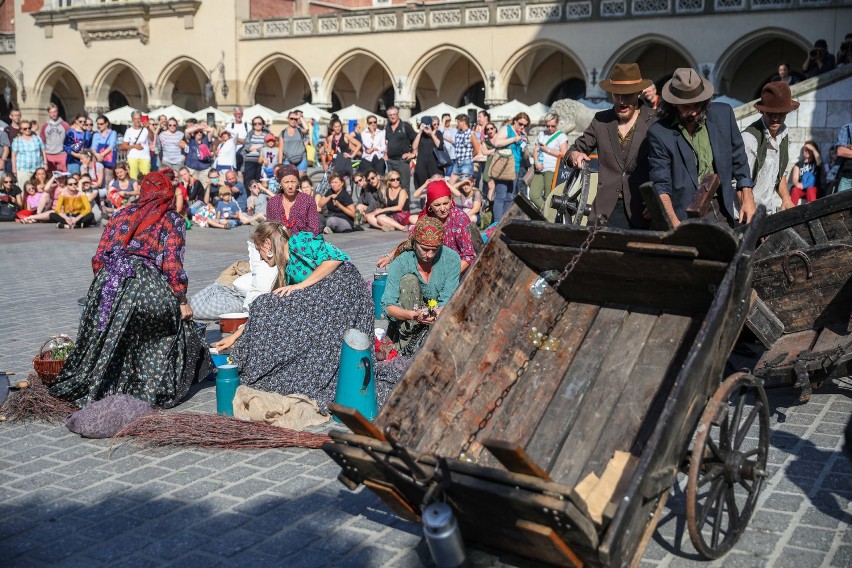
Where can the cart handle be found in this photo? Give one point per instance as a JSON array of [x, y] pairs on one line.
[[785, 265]]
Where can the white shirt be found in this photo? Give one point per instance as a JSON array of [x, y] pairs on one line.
[[237, 130], [376, 142], [257, 282], [138, 136], [764, 186], [549, 162], [226, 154]]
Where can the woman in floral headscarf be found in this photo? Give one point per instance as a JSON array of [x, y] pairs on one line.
[[453, 220], [136, 336], [421, 280]]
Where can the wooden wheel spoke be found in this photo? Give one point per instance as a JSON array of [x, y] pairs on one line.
[[715, 449], [713, 495], [751, 488], [746, 426], [717, 520], [733, 508], [715, 471], [738, 413]]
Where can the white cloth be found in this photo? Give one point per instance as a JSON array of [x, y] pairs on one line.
[[138, 136], [237, 130], [764, 185], [548, 161], [257, 282], [375, 141], [226, 154]]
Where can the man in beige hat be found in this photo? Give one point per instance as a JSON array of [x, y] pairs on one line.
[[767, 147], [619, 136], [693, 138]]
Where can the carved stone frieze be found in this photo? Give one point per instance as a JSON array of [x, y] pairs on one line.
[[100, 30]]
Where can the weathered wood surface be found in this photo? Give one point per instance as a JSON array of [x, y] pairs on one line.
[[763, 323], [703, 196], [660, 220], [546, 540], [514, 458], [807, 302]]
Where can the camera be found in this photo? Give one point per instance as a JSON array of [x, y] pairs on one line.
[[814, 52]]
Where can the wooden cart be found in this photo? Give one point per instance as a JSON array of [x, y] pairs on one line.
[[803, 288], [554, 418]]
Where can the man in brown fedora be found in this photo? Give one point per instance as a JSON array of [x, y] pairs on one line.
[[767, 147], [619, 136], [693, 138]]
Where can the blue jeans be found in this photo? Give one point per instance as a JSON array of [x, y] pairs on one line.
[[463, 168], [845, 184], [504, 194]]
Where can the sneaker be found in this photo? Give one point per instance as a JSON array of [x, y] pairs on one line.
[[327, 231], [61, 225]]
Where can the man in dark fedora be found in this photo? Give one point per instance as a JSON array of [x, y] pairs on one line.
[[767, 147], [695, 137], [619, 136]]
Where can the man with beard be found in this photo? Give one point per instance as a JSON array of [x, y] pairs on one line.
[[767, 147], [693, 138], [619, 135]]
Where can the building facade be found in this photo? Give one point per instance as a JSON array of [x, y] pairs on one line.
[[96, 55]]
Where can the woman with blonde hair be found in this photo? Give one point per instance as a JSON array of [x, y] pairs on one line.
[[292, 340], [396, 213]]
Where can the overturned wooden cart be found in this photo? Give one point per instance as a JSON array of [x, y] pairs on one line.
[[573, 375], [803, 295]]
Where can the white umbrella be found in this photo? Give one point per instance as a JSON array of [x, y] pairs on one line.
[[266, 113], [353, 112], [508, 110], [437, 110], [537, 112], [311, 112], [219, 116], [121, 115], [170, 111], [467, 107]]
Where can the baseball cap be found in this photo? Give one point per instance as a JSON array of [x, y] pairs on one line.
[[427, 120], [269, 137]]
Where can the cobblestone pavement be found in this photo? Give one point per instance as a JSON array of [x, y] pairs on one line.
[[66, 501]]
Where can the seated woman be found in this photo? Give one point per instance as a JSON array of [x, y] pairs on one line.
[[296, 210], [396, 214], [440, 206], [135, 336], [421, 280], [468, 198], [73, 209], [339, 207], [291, 343]]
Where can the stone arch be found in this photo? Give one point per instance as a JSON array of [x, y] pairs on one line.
[[658, 57], [59, 83], [538, 70], [446, 73], [122, 77], [7, 80], [182, 82], [752, 61], [278, 82], [358, 77]]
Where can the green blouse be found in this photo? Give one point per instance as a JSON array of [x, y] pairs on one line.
[[307, 252]]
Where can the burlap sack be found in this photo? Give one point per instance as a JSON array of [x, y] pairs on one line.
[[294, 411]]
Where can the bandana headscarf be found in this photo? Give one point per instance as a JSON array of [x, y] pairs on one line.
[[436, 190], [156, 198], [428, 232], [287, 170]]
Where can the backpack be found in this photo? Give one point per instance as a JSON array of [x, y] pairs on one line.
[[758, 130], [204, 153]]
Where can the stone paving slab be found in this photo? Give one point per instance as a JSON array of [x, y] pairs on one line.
[[66, 501]]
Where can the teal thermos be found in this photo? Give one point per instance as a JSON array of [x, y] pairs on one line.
[[227, 381], [356, 385], [380, 280]]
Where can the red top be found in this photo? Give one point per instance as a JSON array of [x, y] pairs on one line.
[[303, 214]]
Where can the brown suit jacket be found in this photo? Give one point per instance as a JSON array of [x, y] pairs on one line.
[[616, 176]]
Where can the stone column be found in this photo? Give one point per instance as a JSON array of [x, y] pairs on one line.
[[404, 109]]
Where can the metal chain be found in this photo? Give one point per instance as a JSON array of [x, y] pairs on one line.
[[593, 231]]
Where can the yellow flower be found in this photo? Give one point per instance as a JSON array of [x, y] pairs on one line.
[[432, 304]]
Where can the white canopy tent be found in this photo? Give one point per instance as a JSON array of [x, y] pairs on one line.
[[537, 111], [437, 110], [508, 110], [353, 112], [170, 111], [266, 113], [219, 116], [121, 115], [467, 107], [311, 112]]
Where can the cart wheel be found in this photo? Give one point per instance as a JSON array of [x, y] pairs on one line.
[[727, 466]]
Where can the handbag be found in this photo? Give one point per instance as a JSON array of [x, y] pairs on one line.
[[8, 211], [503, 165], [343, 165], [442, 157]]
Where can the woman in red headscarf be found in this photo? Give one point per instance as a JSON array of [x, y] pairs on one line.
[[135, 335], [440, 206]]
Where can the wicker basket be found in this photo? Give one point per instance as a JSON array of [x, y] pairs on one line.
[[45, 367]]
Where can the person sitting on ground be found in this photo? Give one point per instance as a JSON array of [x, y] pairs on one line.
[[468, 198], [10, 192], [456, 234], [227, 210], [295, 209], [372, 194], [258, 197], [123, 190], [806, 174], [55, 187], [31, 199], [340, 208], [73, 209], [421, 280], [291, 343], [135, 336], [306, 186], [92, 195], [396, 214]]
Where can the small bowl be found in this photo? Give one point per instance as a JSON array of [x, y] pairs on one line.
[[229, 323]]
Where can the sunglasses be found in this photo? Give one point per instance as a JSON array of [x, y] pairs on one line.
[[524, 124], [72, 184], [101, 123], [293, 118], [372, 122], [393, 179], [5, 181], [257, 124], [81, 122], [26, 128], [172, 124]]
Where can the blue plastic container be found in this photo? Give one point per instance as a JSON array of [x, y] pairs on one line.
[[356, 384], [227, 381], [380, 281]]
